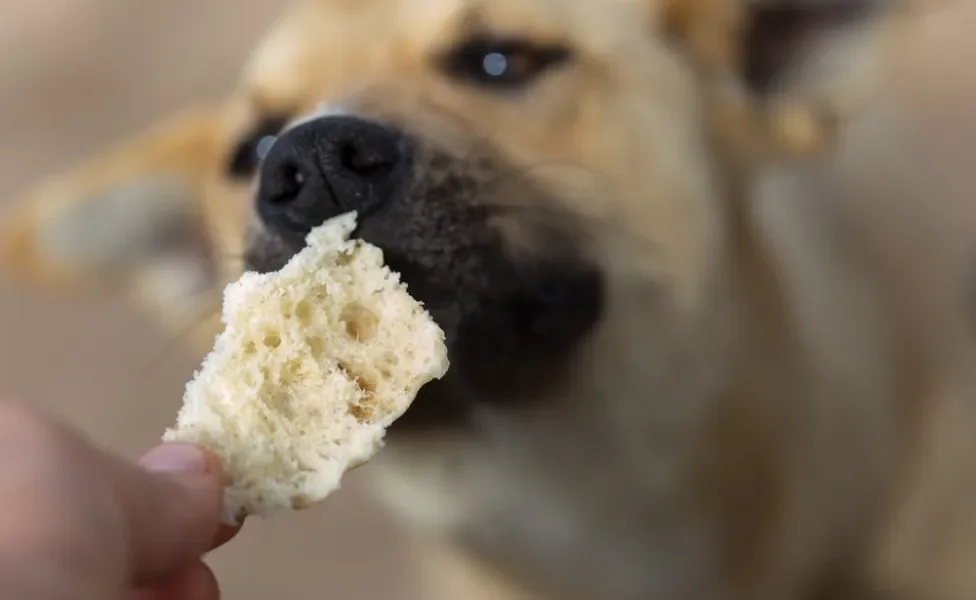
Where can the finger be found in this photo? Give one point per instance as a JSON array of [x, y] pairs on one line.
[[117, 524], [225, 533], [171, 509], [196, 582]]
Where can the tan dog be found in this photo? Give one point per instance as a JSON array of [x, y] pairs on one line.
[[673, 375]]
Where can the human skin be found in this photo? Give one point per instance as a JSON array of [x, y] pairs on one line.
[[81, 524]]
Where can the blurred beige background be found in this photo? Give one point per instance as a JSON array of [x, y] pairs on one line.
[[76, 75]]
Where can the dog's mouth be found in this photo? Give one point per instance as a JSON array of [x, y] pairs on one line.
[[512, 320], [511, 326]]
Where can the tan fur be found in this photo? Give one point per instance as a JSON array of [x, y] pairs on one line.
[[775, 404], [112, 230]]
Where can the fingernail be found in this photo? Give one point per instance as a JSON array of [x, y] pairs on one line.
[[175, 458]]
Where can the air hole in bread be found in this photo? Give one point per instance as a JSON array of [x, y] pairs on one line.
[[303, 312], [363, 413], [360, 322], [316, 346], [291, 371], [272, 340], [367, 385], [362, 409], [387, 365], [278, 406]]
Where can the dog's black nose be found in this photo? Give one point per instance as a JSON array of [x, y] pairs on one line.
[[329, 166]]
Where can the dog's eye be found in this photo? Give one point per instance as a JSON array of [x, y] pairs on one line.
[[247, 155], [506, 64]]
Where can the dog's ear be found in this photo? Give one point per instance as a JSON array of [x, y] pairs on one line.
[[787, 72], [129, 220]]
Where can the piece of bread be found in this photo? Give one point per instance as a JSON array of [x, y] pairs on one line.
[[314, 363]]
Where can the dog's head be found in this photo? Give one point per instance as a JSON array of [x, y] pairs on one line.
[[540, 173], [572, 97]]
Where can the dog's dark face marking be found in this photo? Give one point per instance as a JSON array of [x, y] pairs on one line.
[[512, 317]]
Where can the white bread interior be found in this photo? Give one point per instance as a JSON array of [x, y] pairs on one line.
[[314, 363]]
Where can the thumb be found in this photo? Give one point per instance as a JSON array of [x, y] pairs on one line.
[[172, 509]]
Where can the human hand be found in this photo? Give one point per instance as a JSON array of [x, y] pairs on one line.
[[79, 524]]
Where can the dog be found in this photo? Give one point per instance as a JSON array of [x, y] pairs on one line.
[[678, 371]]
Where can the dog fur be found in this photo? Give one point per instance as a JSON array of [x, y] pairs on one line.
[[768, 401]]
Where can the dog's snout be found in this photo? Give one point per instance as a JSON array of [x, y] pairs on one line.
[[330, 166]]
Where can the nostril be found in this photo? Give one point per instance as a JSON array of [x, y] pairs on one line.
[[368, 164], [291, 180]]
